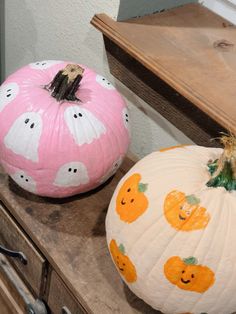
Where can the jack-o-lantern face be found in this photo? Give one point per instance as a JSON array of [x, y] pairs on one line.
[[131, 201], [123, 263], [187, 275], [184, 212]]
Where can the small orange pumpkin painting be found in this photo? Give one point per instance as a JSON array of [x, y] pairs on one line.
[[183, 212], [123, 262], [188, 275], [131, 202]]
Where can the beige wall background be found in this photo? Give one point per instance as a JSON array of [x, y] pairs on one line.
[[57, 29]]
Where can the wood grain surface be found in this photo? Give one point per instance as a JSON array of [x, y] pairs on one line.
[[190, 48], [71, 235]]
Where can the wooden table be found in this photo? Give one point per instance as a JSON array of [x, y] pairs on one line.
[[182, 62]]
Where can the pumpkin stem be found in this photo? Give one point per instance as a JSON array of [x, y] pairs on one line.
[[223, 170], [66, 83]]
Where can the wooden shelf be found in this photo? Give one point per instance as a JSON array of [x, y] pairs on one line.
[[189, 48]]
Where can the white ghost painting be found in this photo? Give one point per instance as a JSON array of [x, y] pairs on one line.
[[125, 116], [115, 166], [42, 65], [83, 125], [24, 135], [24, 181], [71, 174], [8, 92], [104, 82]]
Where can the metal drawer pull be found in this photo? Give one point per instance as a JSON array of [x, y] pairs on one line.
[[14, 254], [65, 310]]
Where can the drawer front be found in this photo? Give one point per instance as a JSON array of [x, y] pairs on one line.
[[13, 238], [14, 295], [60, 300]]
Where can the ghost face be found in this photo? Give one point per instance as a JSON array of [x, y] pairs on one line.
[[71, 174], [8, 92], [42, 65], [24, 181], [104, 82], [83, 125], [24, 135], [125, 116]]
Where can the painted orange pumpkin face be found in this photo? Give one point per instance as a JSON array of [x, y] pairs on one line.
[[123, 262], [187, 275], [183, 212], [131, 201]]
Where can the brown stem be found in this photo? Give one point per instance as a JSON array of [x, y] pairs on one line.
[[66, 83]]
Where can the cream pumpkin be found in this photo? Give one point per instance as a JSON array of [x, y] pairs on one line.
[[182, 243]]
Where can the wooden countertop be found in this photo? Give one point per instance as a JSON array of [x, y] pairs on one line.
[[70, 233], [190, 48]]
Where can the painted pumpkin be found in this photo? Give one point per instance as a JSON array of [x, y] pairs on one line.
[[187, 275], [183, 244], [64, 128], [122, 261], [131, 201]]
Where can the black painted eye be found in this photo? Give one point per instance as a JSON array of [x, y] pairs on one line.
[[126, 115], [80, 114], [183, 271], [103, 79], [37, 63], [22, 176], [75, 170], [69, 169], [75, 116], [132, 200], [26, 180], [129, 189], [126, 120], [26, 121], [108, 83], [44, 63], [192, 275], [8, 95], [32, 126]]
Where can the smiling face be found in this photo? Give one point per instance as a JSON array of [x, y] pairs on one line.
[[184, 212], [83, 125], [123, 263], [24, 135], [131, 202], [186, 275], [8, 92]]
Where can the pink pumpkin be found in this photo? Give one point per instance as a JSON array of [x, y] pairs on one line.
[[59, 148]]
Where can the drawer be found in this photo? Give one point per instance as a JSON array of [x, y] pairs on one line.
[[13, 238], [14, 295], [60, 300]]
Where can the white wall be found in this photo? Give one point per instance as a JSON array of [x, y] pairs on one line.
[[59, 29], [225, 8]]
